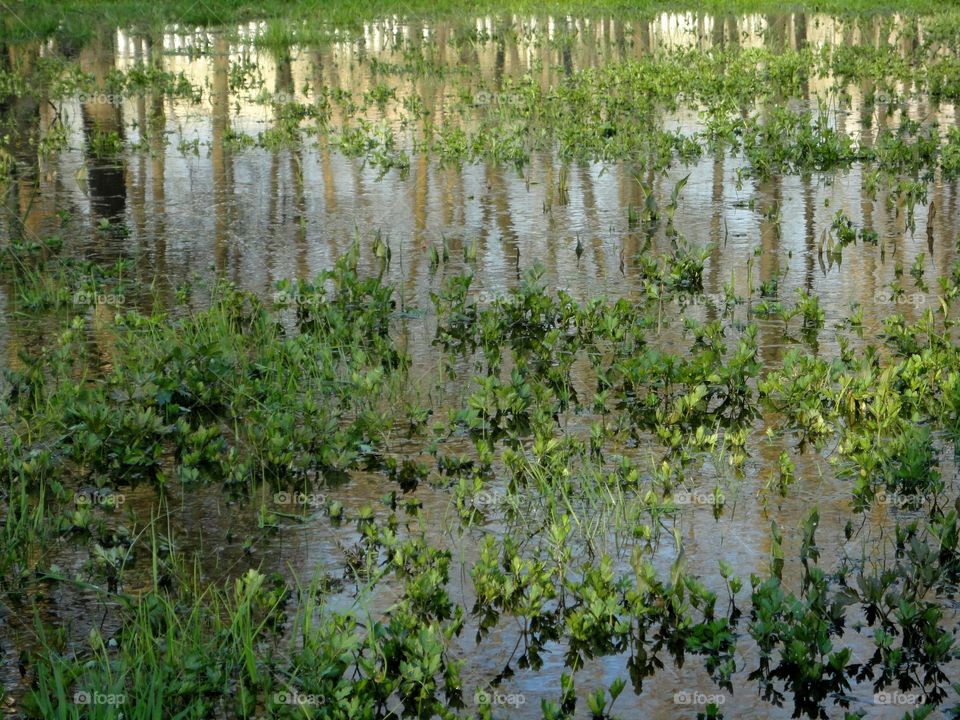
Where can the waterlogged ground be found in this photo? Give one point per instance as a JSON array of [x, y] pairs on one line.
[[621, 380]]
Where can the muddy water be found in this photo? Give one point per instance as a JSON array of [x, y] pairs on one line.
[[195, 208]]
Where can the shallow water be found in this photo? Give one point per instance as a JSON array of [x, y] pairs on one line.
[[187, 213]]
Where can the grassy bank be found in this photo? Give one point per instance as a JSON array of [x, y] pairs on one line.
[[26, 19]]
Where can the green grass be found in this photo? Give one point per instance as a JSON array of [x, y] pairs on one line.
[[26, 19]]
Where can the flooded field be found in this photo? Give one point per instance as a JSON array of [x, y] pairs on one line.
[[518, 366]]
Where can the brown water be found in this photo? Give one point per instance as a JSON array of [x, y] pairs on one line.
[[255, 216]]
